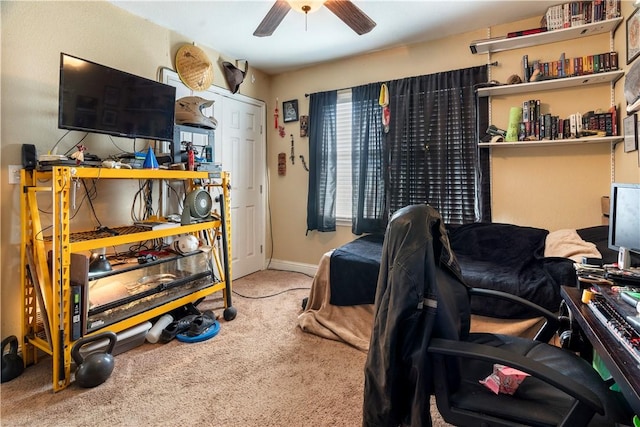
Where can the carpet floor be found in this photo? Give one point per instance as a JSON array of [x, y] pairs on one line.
[[260, 370]]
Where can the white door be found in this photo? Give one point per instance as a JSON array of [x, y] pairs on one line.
[[240, 147]]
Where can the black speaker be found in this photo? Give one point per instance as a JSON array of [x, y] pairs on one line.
[[29, 156]]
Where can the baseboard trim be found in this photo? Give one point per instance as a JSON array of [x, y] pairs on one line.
[[277, 264]]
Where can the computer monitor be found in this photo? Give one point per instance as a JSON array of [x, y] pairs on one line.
[[624, 217]]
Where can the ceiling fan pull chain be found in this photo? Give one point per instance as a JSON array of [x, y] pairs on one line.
[[306, 10]]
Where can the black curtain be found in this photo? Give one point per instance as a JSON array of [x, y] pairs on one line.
[[321, 202], [432, 144], [367, 161]]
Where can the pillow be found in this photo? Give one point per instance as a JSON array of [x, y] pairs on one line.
[[568, 244]]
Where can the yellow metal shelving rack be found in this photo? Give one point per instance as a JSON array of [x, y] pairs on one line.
[[46, 289]]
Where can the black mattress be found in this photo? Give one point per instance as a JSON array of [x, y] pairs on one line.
[[496, 256]]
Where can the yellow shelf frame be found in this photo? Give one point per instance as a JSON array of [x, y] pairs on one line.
[[46, 292]]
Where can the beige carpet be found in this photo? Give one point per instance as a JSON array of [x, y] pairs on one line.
[[261, 370]]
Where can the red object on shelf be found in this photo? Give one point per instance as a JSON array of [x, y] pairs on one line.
[[526, 32]]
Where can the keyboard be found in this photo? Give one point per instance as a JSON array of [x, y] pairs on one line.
[[626, 332]]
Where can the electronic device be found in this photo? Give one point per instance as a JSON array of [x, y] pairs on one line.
[[624, 258], [29, 156], [101, 99], [624, 221], [197, 207], [623, 277], [616, 322]]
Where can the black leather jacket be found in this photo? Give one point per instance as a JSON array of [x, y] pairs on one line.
[[398, 379]]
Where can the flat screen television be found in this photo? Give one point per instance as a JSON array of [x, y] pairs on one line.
[[624, 217], [101, 99]]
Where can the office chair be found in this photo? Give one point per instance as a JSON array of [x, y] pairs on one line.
[[562, 389]]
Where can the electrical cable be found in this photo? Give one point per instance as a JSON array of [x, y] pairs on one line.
[[277, 293], [142, 196], [76, 144], [270, 221], [58, 142], [93, 210], [121, 150], [271, 295]]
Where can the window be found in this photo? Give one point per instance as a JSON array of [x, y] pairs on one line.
[[359, 174], [344, 193]]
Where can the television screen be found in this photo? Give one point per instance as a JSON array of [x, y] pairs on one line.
[[96, 98], [624, 219]]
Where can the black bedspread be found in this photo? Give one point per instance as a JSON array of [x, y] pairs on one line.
[[353, 271], [504, 257], [510, 258]]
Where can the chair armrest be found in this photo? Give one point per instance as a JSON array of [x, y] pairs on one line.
[[525, 364], [551, 323]]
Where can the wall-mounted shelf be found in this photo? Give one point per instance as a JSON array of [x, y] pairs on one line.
[[501, 44], [555, 142], [560, 83]]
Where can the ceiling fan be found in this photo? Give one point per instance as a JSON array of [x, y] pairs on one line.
[[348, 12]]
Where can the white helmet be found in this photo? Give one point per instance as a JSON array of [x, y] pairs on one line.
[[185, 244], [189, 112]]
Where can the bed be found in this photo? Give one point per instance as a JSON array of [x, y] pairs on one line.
[[526, 261]]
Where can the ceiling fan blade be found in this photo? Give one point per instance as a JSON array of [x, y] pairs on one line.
[[351, 15], [272, 19]]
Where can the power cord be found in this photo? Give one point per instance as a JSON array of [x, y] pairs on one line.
[[271, 295], [277, 293]]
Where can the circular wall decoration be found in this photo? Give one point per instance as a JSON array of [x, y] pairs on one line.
[[194, 68]]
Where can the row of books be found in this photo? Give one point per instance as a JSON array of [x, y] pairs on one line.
[[576, 13], [538, 126], [568, 67]]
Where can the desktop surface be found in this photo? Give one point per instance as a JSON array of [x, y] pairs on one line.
[[617, 357]]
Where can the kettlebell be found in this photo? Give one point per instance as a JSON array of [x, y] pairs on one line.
[[12, 363], [95, 368]]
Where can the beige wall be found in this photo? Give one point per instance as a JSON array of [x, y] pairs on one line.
[[557, 187], [530, 185]]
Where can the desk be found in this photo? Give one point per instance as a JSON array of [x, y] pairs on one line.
[[622, 366]]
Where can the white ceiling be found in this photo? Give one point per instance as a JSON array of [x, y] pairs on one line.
[[227, 26]]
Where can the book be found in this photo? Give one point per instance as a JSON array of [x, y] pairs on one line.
[[156, 225], [526, 32]]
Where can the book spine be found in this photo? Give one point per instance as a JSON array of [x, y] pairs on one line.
[[608, 124], [547, 126], [614, 120], [613, 61]]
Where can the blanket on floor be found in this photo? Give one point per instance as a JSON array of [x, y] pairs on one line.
[[352, 324]]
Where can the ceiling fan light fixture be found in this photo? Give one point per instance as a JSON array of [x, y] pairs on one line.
[[345, 10], [306, 6]]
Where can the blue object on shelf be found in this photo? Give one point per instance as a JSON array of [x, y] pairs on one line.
[[150, 161]]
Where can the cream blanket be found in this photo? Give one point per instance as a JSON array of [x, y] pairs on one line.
[[353, 324], [567, 243]]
